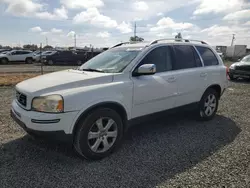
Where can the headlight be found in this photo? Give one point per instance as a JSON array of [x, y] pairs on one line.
[[50, 104], [232, 67]]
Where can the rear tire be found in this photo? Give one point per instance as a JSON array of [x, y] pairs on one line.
[[50, 62], [29, 61], [4, 61], [98, 134], [208, 105]]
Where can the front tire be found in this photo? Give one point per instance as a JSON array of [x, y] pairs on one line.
[[208, 105], [98, 134], [79, 62]]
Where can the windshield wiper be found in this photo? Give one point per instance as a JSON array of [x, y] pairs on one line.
[[92, 70]]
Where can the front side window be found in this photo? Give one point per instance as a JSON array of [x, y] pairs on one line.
[[113, 61], [208, 56], [184, 57], [161, 57]]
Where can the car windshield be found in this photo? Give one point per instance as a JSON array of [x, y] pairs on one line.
[[246, 59], [112, 61]]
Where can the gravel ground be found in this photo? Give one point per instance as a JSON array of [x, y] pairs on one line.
[[22, 68], [169, 152]]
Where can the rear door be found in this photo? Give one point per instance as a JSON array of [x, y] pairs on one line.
[[189, 75], [25, 54], [214, 72]]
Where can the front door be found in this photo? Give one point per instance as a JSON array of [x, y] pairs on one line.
[[155, 93], [15, 56]]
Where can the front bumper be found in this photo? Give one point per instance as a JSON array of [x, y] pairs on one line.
[[239, 73], [53, 135], [43, 122]]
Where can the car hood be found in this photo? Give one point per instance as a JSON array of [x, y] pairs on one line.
[[241, 64], [62, 80]]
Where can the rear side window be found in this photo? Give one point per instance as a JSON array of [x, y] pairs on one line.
[[184, 57], [25, 52], [208, 56], [161, 57]]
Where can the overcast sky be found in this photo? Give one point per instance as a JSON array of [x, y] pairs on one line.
[[106, 22]]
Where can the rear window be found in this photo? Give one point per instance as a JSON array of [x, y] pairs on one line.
[[184, 56], [208, 56]]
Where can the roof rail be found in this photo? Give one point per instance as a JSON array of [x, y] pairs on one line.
[[177, 40], [120, 44]]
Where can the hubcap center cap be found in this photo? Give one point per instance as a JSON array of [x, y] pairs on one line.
[[102, 133]]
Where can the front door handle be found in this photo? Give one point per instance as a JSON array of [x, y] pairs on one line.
[[171, 79], [203, 74]]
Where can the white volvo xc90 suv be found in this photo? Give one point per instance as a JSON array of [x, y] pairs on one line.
[[94, 104]]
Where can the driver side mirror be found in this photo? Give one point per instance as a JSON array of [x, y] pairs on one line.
[[146, 69], [239, 60]]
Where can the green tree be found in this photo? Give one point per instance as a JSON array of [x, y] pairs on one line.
[[48, 47], [30, 47], [136, 38]]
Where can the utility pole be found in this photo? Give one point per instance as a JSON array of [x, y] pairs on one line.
[[46, 41], [233, 38], [135, 31], [75, 39]]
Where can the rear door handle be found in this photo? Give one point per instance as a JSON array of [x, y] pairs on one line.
[[203, 74], [171, 79]]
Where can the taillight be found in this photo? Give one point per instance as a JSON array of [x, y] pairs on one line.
[[227, 70]]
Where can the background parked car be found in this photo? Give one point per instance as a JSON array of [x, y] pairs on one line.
[[42, 55], [4, 50], [65, 57], [240, 69], [17, 56]]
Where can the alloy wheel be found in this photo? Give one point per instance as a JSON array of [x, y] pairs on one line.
[[210, 105], [102, 135]]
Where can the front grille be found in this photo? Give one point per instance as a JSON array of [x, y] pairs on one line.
[[21, 98], [243, 68]]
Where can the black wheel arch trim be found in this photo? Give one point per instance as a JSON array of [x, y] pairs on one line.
[[109, 104], [216, 87]]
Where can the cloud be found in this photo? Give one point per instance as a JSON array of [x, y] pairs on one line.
[[168, 23], [54, 30], [77, 4], [218, 6], [247, 23], [22, 7], [29, 8], [125, 27], [103, 34], [71, 34], [93, 16], [58, 14], [216, 30], [140, 6], [44, 33], [159, 14], [36, 29], [238, 15]]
